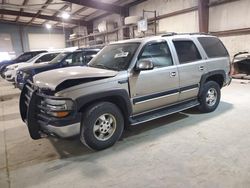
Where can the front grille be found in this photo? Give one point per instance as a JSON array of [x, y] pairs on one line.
[[25, 98], [40, 111]]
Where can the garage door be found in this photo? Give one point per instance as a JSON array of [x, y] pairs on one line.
[[5, 43], [46, 41]]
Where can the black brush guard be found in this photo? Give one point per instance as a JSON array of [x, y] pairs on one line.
[[34, 114], [28, 110]]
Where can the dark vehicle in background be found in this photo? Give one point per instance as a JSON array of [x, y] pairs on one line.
[[65, 59], [241, 63], [22, 58]]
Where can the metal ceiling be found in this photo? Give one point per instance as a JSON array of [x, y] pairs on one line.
[[41, 12]]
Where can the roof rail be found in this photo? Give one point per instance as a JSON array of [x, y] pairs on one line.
[[199, 33], [169, 34], [173, 33]]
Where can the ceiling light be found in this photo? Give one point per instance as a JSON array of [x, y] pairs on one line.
[[65, 15], [48, 26]]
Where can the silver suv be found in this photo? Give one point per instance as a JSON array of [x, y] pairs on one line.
[[127, 83]]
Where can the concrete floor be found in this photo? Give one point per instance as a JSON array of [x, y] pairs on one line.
[[182, 150]]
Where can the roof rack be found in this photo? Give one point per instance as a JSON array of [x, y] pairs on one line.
[[173, 33], [169, 34]]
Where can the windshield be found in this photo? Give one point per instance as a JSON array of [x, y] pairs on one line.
[[33, 59], [59, 57], [115, 57], [24, 57]]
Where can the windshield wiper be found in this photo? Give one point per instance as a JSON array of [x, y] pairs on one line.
[[100, 66], [103, 67]]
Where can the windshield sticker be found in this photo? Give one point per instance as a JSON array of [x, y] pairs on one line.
[[122, 54]]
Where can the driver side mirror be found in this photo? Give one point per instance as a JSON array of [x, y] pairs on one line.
[[144, 65]]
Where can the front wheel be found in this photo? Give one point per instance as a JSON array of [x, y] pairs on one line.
[[102, 125], [210, 97]]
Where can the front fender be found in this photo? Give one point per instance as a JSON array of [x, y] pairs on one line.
[[120, 96]]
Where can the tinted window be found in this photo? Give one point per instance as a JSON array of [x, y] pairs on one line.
[[158, 53], [36, 53], [186, 51], [46, 58], [89, 55], [60, 57], [213, 47], [77, 59]]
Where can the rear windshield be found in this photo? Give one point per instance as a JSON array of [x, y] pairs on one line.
[[213, 47]]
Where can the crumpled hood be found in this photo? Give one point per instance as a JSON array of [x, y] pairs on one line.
[[51, 79]]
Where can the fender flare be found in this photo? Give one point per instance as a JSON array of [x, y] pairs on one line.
[[120, 94], [209, 74]]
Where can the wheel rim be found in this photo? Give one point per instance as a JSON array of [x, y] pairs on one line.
[[104, 127], [211, 97]]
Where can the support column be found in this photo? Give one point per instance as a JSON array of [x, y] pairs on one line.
[[125, 30], [203, 13]]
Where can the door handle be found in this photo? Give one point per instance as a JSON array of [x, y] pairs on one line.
[[172, 74], [201, 68]]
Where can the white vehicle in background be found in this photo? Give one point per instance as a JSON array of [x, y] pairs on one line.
[[11, 70]]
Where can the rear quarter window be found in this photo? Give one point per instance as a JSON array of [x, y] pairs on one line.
[[187, 51], [213, 47]]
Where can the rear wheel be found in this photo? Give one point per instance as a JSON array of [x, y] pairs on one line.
[[102, 125], [210, 97]]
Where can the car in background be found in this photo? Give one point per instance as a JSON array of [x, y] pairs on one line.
[[11, 70], [65, 59], [22, 58]]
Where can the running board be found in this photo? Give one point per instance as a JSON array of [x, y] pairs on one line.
[[142, 118]]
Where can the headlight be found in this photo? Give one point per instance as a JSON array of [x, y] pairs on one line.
[[58, 108]]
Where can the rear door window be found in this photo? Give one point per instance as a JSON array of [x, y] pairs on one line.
[[75, 59], [187, 51], [213, 47], [46, 58], [89, 55]]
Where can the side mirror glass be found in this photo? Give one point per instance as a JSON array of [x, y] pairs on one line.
[[144, 65]]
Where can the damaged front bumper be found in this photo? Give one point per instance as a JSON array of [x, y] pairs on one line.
[[39, 116]]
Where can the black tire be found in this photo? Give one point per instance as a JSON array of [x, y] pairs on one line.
[[2, 70], [91, 117], [209, 106]]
